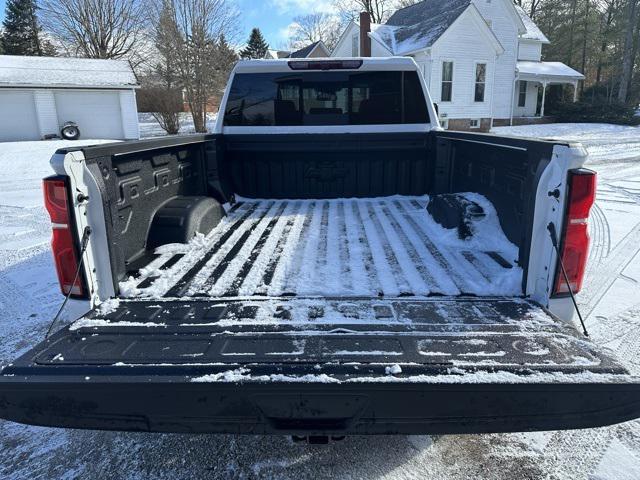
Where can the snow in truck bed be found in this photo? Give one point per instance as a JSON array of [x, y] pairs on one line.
[[345, 247]]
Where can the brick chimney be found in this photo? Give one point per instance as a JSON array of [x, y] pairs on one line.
[[365, 28]]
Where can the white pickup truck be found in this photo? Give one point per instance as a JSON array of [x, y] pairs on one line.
[[327, 262]]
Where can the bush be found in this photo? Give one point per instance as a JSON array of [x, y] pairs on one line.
[[164, 104], [596, 112]]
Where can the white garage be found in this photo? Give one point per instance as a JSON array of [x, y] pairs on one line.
[[20, 120], [38, 95]]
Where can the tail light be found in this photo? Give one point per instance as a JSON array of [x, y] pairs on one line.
[[325, 64], [574, 244], [63, 244]]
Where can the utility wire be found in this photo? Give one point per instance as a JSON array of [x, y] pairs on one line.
[[554, 239], [83, 248]]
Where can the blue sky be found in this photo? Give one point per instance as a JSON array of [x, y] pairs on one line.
[[274, 16], [270, 16]]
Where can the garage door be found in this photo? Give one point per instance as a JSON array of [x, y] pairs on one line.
[[18, 120], [96, 113]]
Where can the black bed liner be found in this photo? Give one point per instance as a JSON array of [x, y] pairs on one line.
[[345, 247], [320, 366]]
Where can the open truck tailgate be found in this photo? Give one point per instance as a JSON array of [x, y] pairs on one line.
[[319, 366]]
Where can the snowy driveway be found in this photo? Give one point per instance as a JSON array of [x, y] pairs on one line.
[[29, 297]]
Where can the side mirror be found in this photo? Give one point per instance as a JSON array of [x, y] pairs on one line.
[[435, 105]]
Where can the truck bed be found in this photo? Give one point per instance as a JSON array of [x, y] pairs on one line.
[[347, 247], [320, 317]]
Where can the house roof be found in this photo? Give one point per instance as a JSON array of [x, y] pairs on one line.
[[65, 72], [277, 53], [533, 32], [420, 25], [306, 51], [547, 70]]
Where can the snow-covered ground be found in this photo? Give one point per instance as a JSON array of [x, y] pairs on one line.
[[611, 300], [149, 127], [606, 143]]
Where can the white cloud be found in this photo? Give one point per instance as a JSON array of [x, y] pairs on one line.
[[287, 32]]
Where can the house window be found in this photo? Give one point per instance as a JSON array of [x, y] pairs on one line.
[[481, 75], [474, 123], [447, 81], [522, 94], [355, 46]]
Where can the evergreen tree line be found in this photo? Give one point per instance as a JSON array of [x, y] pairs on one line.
[[600, 38]]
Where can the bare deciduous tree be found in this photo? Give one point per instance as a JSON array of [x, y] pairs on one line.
[[597, 37], [633, 18], [110, 29], [162, 87], [405, 3], [379, 10], [315, 27], [194, 32]]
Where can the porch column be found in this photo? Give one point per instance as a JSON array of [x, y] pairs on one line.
[[544, 94], [575, 91], [513, 95]]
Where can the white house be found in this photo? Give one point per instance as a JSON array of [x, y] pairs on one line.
[[39, 94], [480, 58]]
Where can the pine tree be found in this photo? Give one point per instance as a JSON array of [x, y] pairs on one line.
[[257, 46], [226, 57], [22, 32]]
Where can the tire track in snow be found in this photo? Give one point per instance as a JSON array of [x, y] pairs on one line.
[[598, 285], [581, 451]]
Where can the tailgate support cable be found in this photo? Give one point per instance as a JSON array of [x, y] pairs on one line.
[[554, 239], [83, 248]]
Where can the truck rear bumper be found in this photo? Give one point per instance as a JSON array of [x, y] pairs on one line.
[[158, 403]]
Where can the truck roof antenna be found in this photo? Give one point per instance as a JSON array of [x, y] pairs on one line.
[[83, 248], [554, 240]]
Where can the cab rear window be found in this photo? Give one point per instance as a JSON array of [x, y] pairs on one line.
[[325, 98]]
